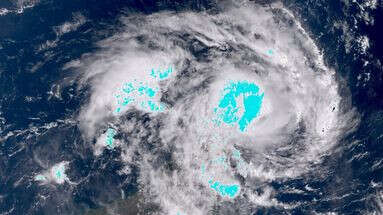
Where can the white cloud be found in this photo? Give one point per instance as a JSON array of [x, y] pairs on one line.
[[3, 11], [363, 43], [20, 6], [301, 94], [55, 174], [66, 27]]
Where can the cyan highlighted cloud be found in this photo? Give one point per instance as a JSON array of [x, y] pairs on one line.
[[110, 137], [240, 104], [55, 174], [224, 190], [212, 178], [144, 95], [161, 75]]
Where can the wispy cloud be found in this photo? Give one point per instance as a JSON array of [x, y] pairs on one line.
[[66, 27]]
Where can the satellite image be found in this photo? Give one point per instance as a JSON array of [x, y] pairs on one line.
[[191, 107]]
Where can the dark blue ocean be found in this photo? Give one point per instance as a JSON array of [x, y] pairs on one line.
[[35, 107]]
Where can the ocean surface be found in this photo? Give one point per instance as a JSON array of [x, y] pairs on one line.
[[191, 107]]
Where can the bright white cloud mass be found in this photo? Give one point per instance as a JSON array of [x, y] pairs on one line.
[[209, 163]]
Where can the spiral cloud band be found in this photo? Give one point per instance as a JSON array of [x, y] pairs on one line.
[[246, 100]]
